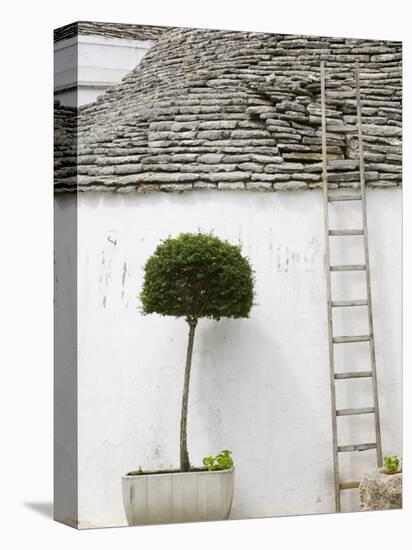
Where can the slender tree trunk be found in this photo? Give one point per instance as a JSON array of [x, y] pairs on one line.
[[184, 455]]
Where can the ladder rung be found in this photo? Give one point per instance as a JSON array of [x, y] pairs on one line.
[[350, 339], [348, 267], [360, 374], [343, 232], [349, 303], [350, 412], [349, 485], [333, 198], [361, 447]]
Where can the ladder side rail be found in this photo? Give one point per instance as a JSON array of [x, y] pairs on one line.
[[368, 280], [329, 292]]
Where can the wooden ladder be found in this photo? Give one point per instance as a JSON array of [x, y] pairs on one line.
[[330, 198]]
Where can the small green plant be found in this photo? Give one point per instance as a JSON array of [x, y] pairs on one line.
[[138, 472], [392, 464], [222, 461]]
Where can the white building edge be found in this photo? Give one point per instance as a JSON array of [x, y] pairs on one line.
[[85, 66]]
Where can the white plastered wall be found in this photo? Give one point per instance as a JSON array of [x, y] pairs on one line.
[[260, 386]]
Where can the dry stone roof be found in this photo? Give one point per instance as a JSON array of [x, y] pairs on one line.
[[110, 30], [210, 109], [65, 141]]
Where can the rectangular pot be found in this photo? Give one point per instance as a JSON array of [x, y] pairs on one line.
[[177, 497]]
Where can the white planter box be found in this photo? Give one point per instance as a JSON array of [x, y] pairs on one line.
[[178, 497]]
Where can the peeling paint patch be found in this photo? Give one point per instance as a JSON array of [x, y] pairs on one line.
[[278, 258], [111, 237], [312, 249], [287, 260], [124, 272]]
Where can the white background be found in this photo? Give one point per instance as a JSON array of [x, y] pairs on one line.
[[26, 272]]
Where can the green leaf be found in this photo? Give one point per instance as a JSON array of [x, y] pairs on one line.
[[198, 275], [222, 461]]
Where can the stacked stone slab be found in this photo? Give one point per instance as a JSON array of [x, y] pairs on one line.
[[109, 30], [211, 109], [65, 141], [381, 491]]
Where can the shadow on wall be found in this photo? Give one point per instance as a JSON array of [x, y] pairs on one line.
[[251, 399], [242, 393]]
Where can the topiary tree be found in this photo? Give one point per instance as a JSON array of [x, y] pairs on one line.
[[194, 276]]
